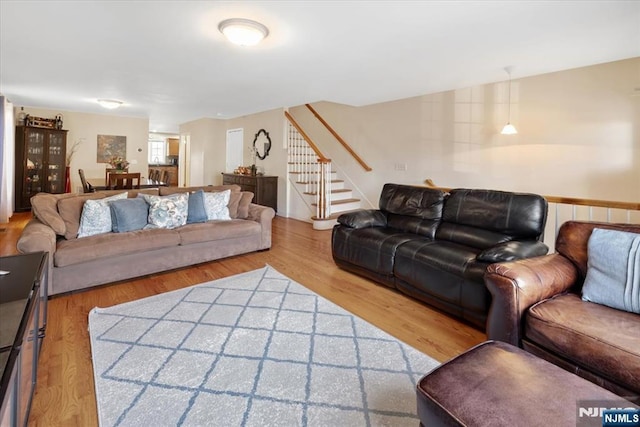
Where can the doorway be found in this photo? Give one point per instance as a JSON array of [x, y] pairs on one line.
[[235, 149]]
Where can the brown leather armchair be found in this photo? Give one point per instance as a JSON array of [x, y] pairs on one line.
[[537, 305]]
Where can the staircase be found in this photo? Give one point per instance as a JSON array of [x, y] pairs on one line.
[[316, 182]]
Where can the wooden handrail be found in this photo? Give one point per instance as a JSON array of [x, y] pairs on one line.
[[313, 146], [569, 200], [340, 140]]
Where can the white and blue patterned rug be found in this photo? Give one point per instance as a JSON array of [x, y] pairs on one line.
[[255, 349]]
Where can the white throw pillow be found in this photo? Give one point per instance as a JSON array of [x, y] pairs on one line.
[[96, 216], [217, 205]]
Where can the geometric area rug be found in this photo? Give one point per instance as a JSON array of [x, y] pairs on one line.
[[254, 349]]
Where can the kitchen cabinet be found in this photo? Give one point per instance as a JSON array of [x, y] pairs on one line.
[[173, 173], [40, 163], [174, 146]]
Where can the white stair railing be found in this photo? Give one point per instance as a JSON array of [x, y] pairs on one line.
[[310, 167]]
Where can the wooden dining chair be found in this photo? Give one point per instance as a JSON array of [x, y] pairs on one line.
[[107, 171], [122, 181], [86, 187], [165, 177]]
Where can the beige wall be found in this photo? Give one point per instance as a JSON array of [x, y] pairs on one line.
[[207, 145], [579, 136], [85, 127]]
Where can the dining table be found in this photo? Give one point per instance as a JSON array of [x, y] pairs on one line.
[[100, 184]]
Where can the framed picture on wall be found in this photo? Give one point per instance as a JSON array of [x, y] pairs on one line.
[[110, 146]]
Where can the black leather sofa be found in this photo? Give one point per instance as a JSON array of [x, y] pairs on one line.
[[436, 246]]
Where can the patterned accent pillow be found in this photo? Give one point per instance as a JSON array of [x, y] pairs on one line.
[[168, 211], [96, 216], [217, 205]]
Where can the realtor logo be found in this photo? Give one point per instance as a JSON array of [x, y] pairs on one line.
[[621, 417], [607, 413]]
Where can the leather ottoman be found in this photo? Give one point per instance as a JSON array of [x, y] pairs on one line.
[[497, 384]]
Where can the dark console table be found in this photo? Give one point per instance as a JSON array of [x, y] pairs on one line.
[[23, 315], [264, 188]]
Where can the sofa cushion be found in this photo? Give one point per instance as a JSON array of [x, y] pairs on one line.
[[45, 207], [243, 205], [415, 260], [421, 202], [519, 215], [76, 251], [470, 236], [411, 224], [371, 248], [613, 273], [165, 191], [129, 215], [596, 337], [218, 230], [96, 216]]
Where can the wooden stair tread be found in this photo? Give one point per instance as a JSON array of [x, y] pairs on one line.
[[334, 216], [333, 181], [340, 202], [300, 173], [339, 190]]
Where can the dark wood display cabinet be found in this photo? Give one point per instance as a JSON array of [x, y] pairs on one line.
[[23, 319], [264, 188], [40, 163]]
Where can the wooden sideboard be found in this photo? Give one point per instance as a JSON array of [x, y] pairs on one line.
[[264, 188]]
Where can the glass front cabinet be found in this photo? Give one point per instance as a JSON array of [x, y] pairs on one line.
[[40, 163]]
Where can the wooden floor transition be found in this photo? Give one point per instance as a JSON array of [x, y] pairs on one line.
[[65, 393]]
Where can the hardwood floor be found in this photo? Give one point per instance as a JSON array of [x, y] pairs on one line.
[[65, 393]]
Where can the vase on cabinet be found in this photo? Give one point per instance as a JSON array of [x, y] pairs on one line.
[[67, 179]]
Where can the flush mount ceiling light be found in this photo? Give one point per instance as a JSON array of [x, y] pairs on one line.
[[243, 32], [110, 104], [509, 129]]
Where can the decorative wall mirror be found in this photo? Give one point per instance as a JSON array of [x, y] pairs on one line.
[[263, 142]]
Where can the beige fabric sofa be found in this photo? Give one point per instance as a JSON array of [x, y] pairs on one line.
[[105, 258]]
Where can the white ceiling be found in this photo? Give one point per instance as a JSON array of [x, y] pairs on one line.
[[168, 62]]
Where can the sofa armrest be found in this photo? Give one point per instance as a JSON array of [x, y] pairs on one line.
[[364, 218], [516, 286], [513, 251], [36, 237], [264, 216]]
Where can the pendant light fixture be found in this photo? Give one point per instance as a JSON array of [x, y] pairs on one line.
[[243, 32], [509, 129]]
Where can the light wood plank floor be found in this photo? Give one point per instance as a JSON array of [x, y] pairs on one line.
[[65, 390]]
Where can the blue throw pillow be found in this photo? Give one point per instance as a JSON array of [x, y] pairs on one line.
[[128, 215], [196, 212], [613, 269]]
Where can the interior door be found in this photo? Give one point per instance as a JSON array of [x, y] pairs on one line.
[[235, 150]]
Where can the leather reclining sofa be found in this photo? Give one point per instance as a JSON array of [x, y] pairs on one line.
[[435, 246]]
